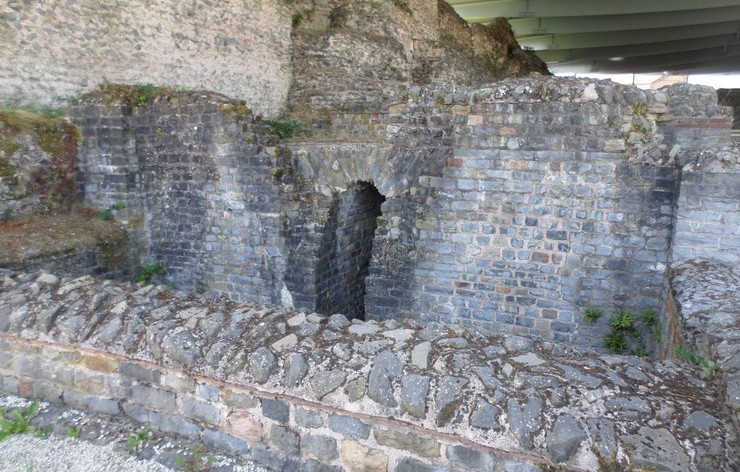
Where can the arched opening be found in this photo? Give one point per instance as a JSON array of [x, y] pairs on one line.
[[346, 249]]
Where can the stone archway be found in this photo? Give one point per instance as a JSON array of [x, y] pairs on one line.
[[337, 260]]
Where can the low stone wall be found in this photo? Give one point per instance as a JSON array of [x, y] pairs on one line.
[[300, 391], [708, 301]]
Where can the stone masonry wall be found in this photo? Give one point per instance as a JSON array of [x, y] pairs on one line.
[[708, 218], [54, 50], [298, 391], [196, 175], [540, 211], [362, 55], [513, 207]]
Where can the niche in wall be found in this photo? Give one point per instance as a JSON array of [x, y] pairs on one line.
[[346, 249]]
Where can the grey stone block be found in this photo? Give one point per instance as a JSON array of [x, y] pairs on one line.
[[285, 439], [104, 405], [564, 439], [386, 367], [224, 442], [174, 424], [276, 409], [308, 418], [448, 398], [262, 364], [485, 416], [349, 426], [324, 383], [275, 461], [198, 410], [525, 419], [409, 464], [323, 448], [140, 373], [135, 411], [296, 369], [470, 459], [414, 391], [154, 398], [312, 465]]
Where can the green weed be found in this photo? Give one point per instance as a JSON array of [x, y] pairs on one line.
[[196, 460], [20, 421], [708, 366], [622, 320], [616, 341], [107, 214], [73, 432], [145, 275], [284, 129], [402, 5], [304, 15], [136, 439], [10, 147], [592, 314]]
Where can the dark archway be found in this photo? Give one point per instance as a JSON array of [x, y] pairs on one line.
[[346, 249]]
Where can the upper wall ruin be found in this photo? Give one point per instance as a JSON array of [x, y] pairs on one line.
[[333, 54], [51, 51]]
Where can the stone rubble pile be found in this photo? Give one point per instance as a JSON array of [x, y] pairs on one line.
[[549, 403]]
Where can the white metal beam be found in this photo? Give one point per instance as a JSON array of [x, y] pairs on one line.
[[591, 24], [550, 8], [728, 57], [624, 38], [643, 49]]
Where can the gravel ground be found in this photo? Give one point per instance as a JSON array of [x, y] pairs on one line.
[[102, 445], [26, 453]]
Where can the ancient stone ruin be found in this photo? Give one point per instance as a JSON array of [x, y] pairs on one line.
[[397, 271]]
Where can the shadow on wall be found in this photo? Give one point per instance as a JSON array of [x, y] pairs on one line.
[[346, 249]]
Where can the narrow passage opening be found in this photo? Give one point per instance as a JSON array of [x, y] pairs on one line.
[[346, 249]]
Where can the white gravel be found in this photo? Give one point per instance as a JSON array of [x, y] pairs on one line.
[[26, 453], [29, 453]]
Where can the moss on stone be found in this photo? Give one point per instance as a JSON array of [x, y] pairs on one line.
[[28, 239], [6, 169], [238, 110], [131, 95], [9, 147]]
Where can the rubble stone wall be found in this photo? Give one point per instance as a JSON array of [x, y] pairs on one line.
[[51, 51], [300, 391]]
